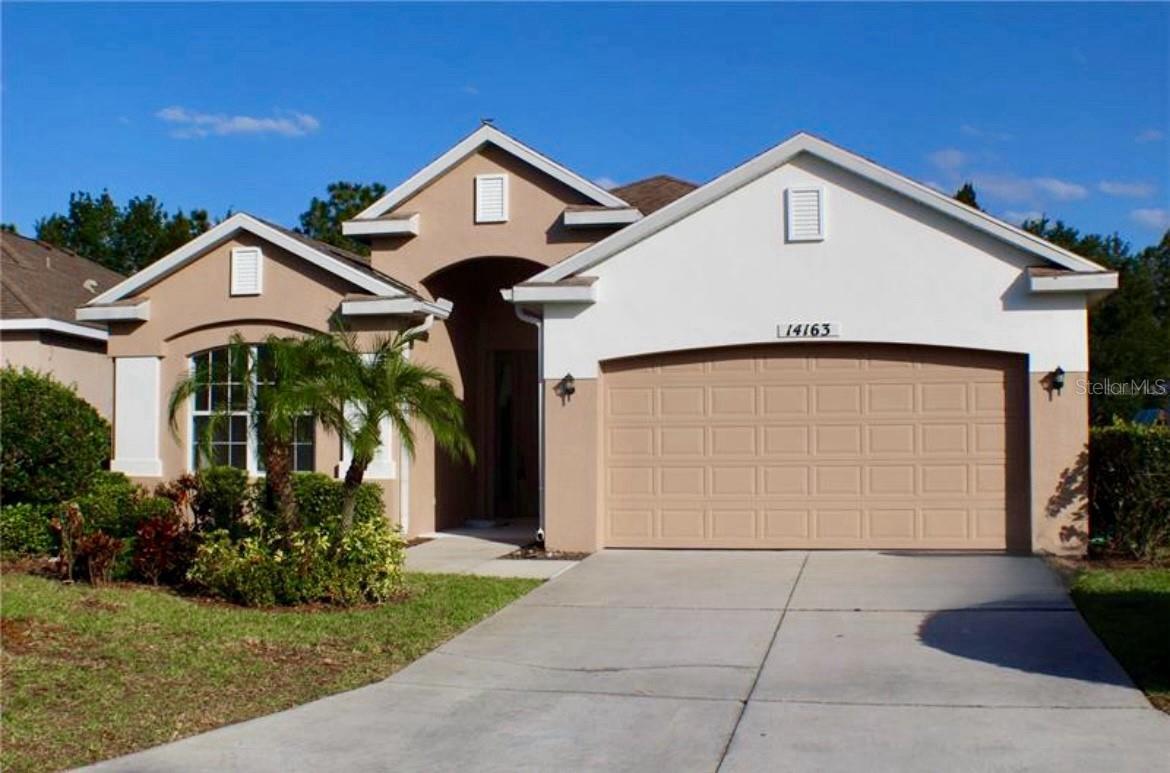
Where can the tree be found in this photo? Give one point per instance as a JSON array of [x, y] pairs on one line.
[[285, 375], [966, 194], [366, 388], [323, 219], [1129, 331], [8, 228], [123, 239]]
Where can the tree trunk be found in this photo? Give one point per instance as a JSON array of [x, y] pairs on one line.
[[278, 471], [353, 482]]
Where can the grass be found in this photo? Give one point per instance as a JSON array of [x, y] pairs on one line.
[[89, 674], [1130, 610]]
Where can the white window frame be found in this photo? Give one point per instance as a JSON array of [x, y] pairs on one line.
[[481, 178], [790, 234], [252, 448], [238, 251]]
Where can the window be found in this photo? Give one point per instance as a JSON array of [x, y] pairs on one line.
[[247, 271], [224, 403], [491, 198], [806, 214]]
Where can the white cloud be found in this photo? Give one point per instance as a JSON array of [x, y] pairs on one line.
[[935, 184], [191, 124], [471, 89], [1153, 217], [1131, 190], [984, 134], [606, 182], [1019, 216], [1028, 189], [948, 159], [1150, 135]]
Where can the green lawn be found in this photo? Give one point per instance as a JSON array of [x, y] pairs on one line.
[[93, 673], [1130, 610]]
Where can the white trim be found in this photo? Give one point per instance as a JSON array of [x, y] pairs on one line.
[[396, 226], [469, 145], [782, 154], [590, 218], [487, 217], [240, 252], [388, 306], [145, 468], [55, 326], [1072, 282], [225, 230], [139, 312], [137, 396], [551, 294]]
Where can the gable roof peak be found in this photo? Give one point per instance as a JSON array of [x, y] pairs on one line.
[[488, 133]]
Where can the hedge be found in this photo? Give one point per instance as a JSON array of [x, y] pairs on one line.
[[1129, 483], [54, 441]]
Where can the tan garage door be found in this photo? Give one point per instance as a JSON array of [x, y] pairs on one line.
[[815, 445]]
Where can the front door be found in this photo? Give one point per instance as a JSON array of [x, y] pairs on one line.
[[515, 470]]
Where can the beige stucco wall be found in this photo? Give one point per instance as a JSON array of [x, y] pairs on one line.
[[73, 361], [192, 310], [448, 233], [572, 519], [1059, 426]]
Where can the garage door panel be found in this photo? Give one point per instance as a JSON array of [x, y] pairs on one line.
[[848, 447]]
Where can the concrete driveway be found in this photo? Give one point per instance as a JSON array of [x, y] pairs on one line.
[[744, 661]]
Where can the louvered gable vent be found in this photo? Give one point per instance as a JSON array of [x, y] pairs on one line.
[[491, 198], [806, 214], [246, 271]]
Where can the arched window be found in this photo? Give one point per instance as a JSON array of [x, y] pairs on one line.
[[224, 403]]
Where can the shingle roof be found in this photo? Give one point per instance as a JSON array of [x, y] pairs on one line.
[[359, 261], [39, 280], [654, 193]]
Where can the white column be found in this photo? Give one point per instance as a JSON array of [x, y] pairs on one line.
[[136, 416]]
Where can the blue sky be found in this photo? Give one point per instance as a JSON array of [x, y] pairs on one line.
[[1055, 108]]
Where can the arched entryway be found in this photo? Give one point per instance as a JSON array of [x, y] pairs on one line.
[[495, 364]]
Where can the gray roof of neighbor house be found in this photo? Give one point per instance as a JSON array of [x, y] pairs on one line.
[[653, 193], [40, 281]]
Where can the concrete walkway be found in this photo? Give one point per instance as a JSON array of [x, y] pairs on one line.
[[481, 551], [749, 661]]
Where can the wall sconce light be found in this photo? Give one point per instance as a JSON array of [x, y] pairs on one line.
[[1056, 379], [565, 387]]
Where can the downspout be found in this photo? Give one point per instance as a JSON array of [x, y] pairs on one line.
[[535, 319], [403, 456]]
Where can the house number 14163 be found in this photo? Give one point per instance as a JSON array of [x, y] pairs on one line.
[[808, 330]]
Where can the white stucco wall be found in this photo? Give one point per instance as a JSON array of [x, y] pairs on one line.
[[890, 270]]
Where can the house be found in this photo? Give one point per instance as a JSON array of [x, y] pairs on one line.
[[41, 286], [809, 351]]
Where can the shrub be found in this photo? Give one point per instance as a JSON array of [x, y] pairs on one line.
[[319, 500], [54, 441], [24, 529], [99, 552], [223, 499], [163, 548], [310, 565], [1129, 471], [110, 504]]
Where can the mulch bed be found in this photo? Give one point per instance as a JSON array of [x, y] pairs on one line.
[[535, 551]]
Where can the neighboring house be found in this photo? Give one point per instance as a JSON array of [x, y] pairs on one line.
[[810, 351], [41, 287]]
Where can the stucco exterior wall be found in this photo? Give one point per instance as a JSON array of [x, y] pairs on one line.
[[192, 310], [448, 233], [889, 271], [73, 361]]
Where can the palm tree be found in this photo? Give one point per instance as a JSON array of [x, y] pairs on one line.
[[283, 378], [370, 385]]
